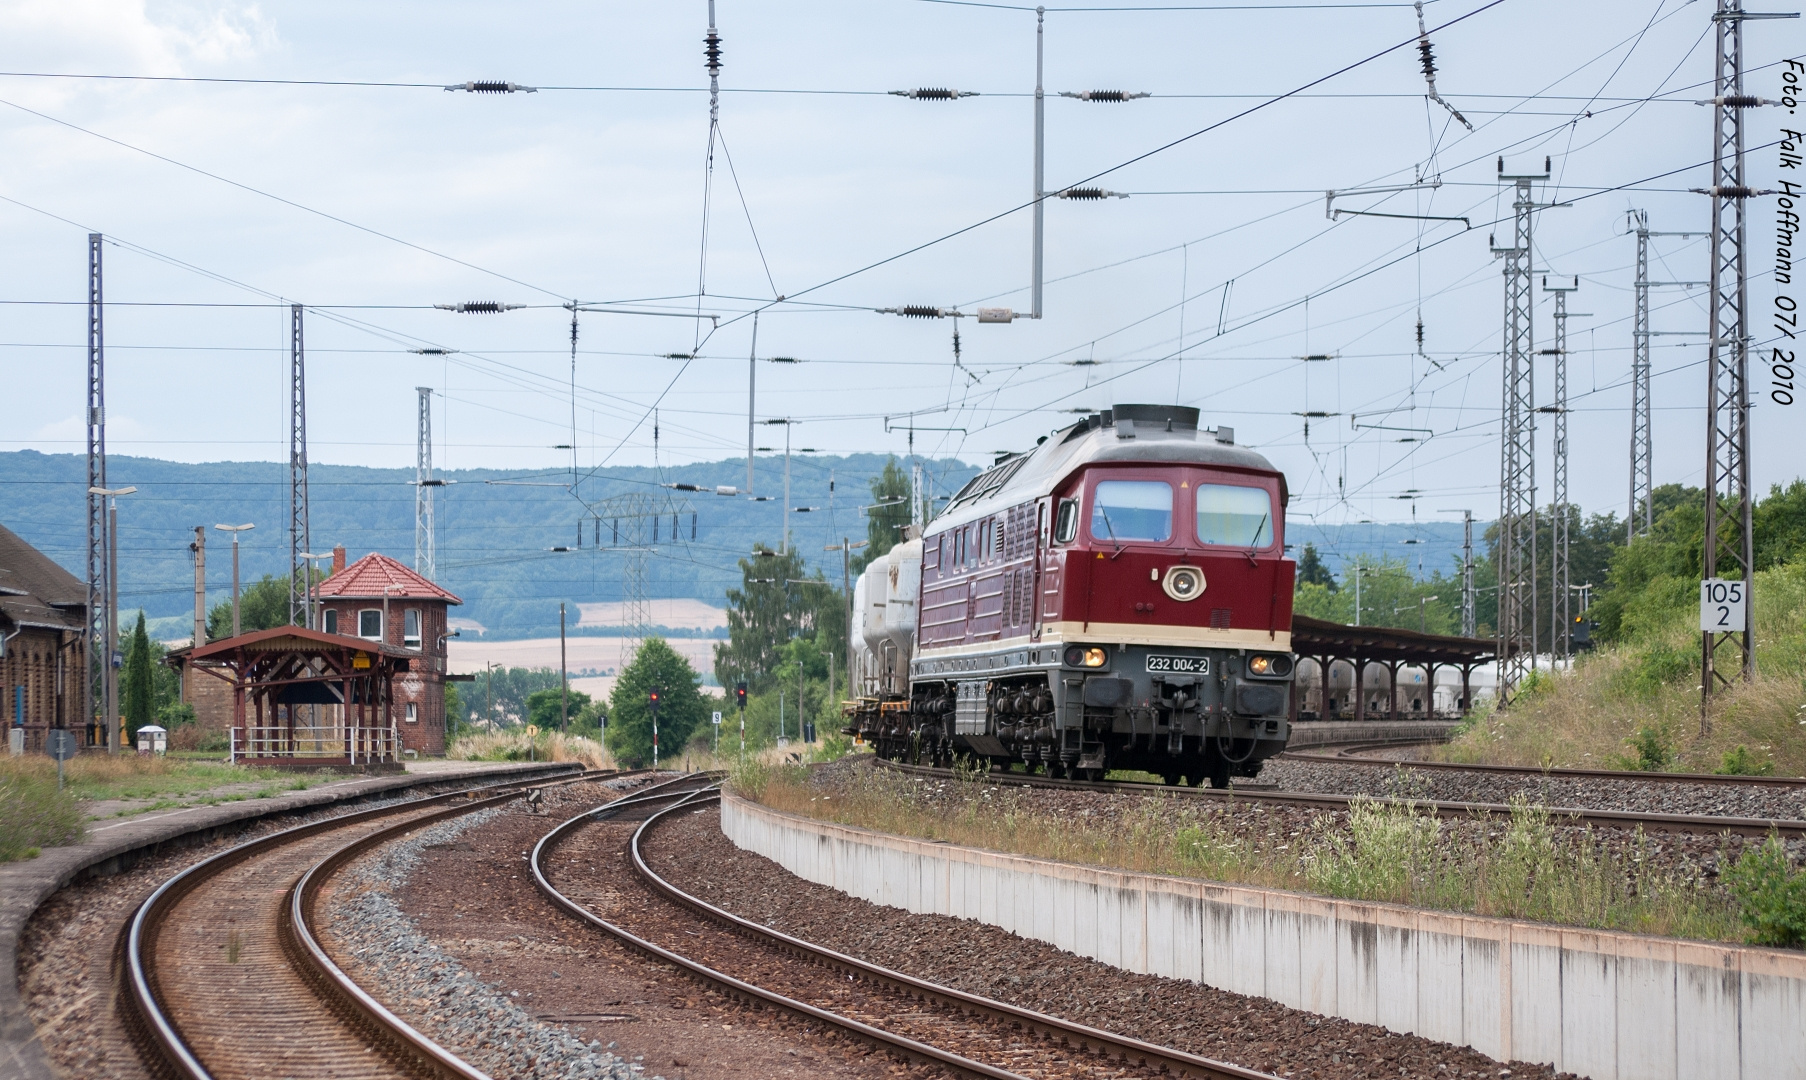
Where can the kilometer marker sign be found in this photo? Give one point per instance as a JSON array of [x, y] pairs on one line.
[[1722, 605]]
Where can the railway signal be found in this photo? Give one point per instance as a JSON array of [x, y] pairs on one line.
[[740, 700]]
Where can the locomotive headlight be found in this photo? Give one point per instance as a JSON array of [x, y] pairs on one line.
[[1183, 583], [1272, 665], [1080, 656]]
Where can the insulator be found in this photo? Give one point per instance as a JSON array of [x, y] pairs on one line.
[[492, 86], [477, 307], [680, 356], [1420, 335], [933, 93], [1738, 101], [1083, 193], [1427, 58], [711, 52], [920, 311], [692, 526]]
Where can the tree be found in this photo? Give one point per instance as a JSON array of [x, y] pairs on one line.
[[681, 709], [138, 691], [1311, 570], [543, 706], [890, 512], [262, 605], [775, 603]]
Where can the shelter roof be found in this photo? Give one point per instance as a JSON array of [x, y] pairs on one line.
[[1320, 637], [293, 639], [370, 576], [35, 591]]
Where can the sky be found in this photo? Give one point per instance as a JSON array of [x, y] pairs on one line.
[[223, 202]]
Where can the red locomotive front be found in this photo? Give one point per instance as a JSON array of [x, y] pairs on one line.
[[1117, 598]]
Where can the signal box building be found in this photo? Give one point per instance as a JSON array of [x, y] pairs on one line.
[[43, 623], [379, 599]]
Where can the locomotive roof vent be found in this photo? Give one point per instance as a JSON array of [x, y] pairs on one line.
[[1170, 417]]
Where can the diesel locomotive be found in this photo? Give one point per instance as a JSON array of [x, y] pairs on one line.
[[1117, 597]]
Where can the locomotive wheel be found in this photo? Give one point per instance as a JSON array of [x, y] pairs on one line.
[[1219, 774], [1172, 779]]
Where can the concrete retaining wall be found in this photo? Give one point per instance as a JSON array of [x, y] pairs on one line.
[[1610, 1006]]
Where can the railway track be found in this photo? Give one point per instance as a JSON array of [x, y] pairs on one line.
[[1350, 755], [1616, 819], [963, 1033], [224, 978]]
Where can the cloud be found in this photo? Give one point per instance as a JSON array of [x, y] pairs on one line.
[[131, 37]]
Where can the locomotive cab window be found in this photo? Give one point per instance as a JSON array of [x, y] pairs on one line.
[[1235, 516], [1066, 526], [1132, 510]]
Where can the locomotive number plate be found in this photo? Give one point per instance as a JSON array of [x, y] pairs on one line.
[[1180, 665]]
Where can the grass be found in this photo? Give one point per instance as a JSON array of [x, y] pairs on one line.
[[101, 777], [1635, 706], [35, 815], [1527, 867], [516, 746]]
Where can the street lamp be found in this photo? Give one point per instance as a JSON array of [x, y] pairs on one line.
[[1422, 627], [234, 530], [114, 721]]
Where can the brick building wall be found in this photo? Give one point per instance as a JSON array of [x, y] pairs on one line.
[[423, 686]]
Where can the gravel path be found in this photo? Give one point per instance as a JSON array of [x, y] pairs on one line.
[[1628, 794], [481, 1023], [980, 959]]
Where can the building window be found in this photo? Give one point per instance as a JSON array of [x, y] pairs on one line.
[[413, 713], [410, 628], [332, 621], [370, 624]]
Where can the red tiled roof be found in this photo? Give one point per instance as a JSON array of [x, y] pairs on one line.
[[370, 575]]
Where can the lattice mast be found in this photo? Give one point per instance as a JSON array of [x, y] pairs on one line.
[[1642, 451], [299, 540], [1516, 633], [636, 524], [425, 538], [1559, 579], [100, 650], [1729, 539]]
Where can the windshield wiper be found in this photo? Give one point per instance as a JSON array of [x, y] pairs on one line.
[[1255, 539], [1105, 514]]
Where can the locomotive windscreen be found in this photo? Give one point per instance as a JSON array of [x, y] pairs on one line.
[[1132, 510], [1241, 516]]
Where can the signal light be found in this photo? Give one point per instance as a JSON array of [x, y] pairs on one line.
[[652, 698], [740, 695]]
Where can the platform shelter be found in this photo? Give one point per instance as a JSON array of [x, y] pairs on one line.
[[1327, 643], [304, 698]]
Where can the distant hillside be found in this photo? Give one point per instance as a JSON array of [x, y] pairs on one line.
[[495, 529]]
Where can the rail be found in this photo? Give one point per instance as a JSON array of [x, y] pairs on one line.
[[143, 992], [1616, 819], [1345, 755], [1158, 1058]]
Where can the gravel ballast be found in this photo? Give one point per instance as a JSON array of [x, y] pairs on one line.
[[436, 993]]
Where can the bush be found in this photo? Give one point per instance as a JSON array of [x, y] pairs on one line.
[[1652, 752], [1740, 762], [1771, 895], [35, 814]]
